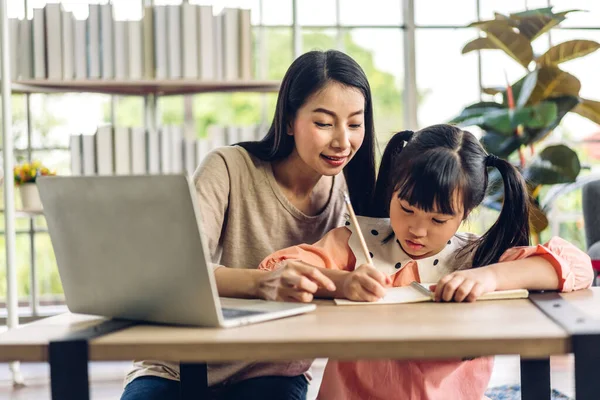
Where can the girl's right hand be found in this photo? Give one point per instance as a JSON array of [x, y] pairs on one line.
[[365, 283], [293, 280]]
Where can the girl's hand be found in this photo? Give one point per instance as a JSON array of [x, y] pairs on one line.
[[294, 280], [365, 284], [465, 285]]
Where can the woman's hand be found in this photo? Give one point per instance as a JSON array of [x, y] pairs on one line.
[[467, 285], [365, 284], [293, 280]]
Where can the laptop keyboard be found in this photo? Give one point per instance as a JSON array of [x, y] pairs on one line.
[[229, 313]]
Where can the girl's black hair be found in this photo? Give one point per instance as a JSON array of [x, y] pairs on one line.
[[433, 168], [307, 75]]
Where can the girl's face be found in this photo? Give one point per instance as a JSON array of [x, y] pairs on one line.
[[422, 234], [329, 128]]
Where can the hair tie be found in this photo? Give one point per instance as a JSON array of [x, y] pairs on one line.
[[491, 160]]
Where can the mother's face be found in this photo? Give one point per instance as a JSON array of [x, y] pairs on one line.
[[329, 128]]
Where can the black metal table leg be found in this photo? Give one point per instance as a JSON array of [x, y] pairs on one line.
[[535, 379], [193, 381], [585, 340], [587, 360], [68, 357]]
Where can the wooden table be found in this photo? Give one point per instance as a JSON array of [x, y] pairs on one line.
[[411, 331]]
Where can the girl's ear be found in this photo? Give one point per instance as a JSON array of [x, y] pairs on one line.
[[290, 128]]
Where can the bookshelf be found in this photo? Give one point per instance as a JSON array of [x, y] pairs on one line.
[[147, 66]]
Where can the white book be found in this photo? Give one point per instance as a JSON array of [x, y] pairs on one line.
[[75, 148], [148, 45], [232, 135], [189, 19], [68, 45], [203, 147], [153, 153], [81, 61], [245, 54], [122, 151], [138, 151], [93, 42], [219, 47], [121, 50], [165, 150], [260, 131], [104, 150], [160, 37], [14, 52], [25, 70], [190, 156], [39, 44], [174, 41], [206, 43], [231, 43], [420, 293], [216, 135], [88, 154], [107, 41], [136, 50], [177, 165], [247, 133], [54, 57]]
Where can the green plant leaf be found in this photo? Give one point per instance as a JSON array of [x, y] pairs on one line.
[[500, 144], [476, 109], [527, 84], [554, 164], [589, 109], [512, 43], [564, 104], [479, 44], [505, 121], [534, 23], [493, 91], [532, 13], [554, 82], [568, 51]]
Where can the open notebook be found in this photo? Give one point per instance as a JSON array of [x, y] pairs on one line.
[[419, 292]]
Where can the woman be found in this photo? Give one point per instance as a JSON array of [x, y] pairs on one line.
[[258, 197]]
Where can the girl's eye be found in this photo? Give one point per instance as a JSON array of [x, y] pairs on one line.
[[438, 221], [355, 126], [406, 210], [322, 125]]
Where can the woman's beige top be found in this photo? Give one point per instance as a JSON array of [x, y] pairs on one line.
[[246, 217]]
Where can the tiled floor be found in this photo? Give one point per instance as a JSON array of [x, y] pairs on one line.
[[107, 378]]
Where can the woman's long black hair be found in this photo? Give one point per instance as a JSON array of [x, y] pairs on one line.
[[308, 74], [431, 167]]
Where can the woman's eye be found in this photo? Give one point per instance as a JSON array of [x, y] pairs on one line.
[[355, 126], [406, 210], [322, 125]]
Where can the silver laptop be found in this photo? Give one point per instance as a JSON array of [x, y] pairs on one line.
[[131, 247]]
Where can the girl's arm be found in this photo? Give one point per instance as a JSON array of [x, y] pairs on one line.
[[556, 265]]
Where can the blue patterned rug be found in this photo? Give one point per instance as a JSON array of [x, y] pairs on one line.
[[513, 392]]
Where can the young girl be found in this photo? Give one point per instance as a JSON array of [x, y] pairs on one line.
[[428, 183]]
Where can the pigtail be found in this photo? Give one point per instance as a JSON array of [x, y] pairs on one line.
[[384, 185], [512, 227]]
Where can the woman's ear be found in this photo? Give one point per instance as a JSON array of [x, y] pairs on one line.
[[290, 128]]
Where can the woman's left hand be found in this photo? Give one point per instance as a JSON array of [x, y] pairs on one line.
[[467, 285]]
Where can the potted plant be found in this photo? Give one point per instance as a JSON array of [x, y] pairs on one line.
[[26, 175], [523, 113]]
